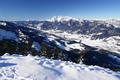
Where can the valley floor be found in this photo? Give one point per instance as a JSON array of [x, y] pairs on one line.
[[17, 67], [110, 44]]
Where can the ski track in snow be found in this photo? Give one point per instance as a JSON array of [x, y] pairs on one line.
[[17, 67]]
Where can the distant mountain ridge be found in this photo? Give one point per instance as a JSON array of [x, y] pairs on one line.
[[99, 29]]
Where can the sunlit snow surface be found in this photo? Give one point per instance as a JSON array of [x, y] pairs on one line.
[[18, 67]]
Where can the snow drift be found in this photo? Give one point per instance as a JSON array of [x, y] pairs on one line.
[[17, 67]]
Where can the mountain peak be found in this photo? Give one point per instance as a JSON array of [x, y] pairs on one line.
[[61, 18]]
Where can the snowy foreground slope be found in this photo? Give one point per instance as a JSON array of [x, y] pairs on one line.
[[18, 67]]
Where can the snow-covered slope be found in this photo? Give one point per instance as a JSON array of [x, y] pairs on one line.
[[111, 43], [18, 67]]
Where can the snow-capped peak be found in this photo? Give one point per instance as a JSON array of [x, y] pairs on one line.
[[61, 18]]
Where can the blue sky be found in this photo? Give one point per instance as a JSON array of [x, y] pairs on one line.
[[43, 9]]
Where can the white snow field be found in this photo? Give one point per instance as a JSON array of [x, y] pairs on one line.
[[17, 67]]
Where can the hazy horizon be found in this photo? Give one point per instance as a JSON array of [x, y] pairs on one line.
[[18, 10]]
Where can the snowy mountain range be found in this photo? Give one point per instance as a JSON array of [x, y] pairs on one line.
[[90, 42], [98, 29], [105, 32]]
